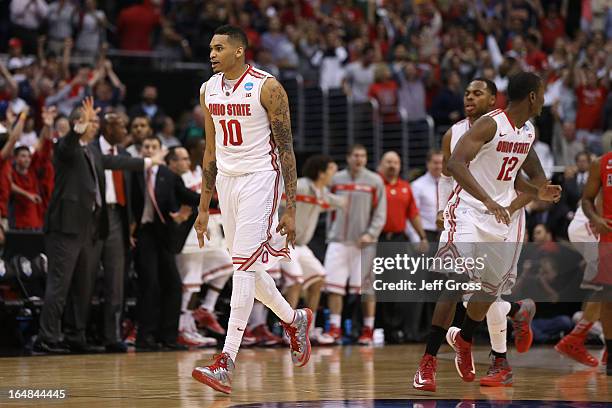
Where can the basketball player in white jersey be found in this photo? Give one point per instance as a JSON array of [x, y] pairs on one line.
[[584, 238], [249, 144], [495, 148], [479, 98]]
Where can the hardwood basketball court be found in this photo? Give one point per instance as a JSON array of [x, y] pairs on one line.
[[335, 376]]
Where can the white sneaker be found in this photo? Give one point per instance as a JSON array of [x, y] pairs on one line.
[[195, 339], [319, 338]]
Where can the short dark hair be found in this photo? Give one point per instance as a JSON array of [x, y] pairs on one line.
[[21, 148], [140, 117], [432, 152], [582, 153], [521, 85], [490, 84], [171, 154], [316, 164], [153, 137], [233, 32], [354, 147]]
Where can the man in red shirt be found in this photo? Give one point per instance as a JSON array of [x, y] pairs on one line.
[[535, 58], [591, 97], [552, 26], [600, 180], [401, 205], [385, 91], [135, 25]]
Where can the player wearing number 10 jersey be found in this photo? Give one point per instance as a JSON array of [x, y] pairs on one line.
[[248, 147]]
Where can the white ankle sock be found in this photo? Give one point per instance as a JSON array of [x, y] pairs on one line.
[[185, 300], [497, 324], [334, 319], [210, 300], [267, 293], [368, 322], [243, 295]]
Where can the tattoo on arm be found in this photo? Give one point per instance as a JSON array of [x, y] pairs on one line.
[[277, 105], [209, 175]]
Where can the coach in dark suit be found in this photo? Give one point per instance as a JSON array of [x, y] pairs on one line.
[[158, 195], [73, 224], [117, 211]]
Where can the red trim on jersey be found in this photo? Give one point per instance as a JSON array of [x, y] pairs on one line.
[[509, 120], [214, 211], [334, 285], [239, 79], [317, 277], [256, 74]]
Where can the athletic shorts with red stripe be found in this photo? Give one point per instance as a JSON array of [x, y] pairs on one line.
[[472, 234], [201, 265], [304, 268], [585, 240], [346, 262], [249, 208]]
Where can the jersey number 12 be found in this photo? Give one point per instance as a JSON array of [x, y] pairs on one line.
[[507, 167], [232, 132]]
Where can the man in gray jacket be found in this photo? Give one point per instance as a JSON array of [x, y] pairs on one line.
[[351, 237]]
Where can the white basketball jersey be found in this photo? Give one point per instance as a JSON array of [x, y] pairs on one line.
[[457, 131], [243, 138], [498, 162]]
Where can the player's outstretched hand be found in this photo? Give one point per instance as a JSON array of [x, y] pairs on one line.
[[602, 225], [501, 214], [286, 226], [201, 227], [549, 192]]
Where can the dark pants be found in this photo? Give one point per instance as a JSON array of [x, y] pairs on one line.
[[402, 321], [70, 277], [112, 253], [160, 287]]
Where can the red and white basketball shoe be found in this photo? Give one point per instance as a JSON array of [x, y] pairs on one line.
[[521, 325], [498, 375], [425, 377], [265, 337], [218, 375], [573, 347], [464, 361], [207, 320], [195, 339], [367, 336]]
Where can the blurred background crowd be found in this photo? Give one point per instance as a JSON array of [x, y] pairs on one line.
[[409, 60]]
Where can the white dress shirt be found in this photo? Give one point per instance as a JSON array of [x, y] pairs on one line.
[[425, 191], [148, 214], [111, 195]]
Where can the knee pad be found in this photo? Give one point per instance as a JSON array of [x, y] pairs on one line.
[[264, 287], [497, 313]]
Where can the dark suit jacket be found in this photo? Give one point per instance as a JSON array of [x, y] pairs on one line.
[[74, 195], [571, 193], [170, 194], [127, 186]]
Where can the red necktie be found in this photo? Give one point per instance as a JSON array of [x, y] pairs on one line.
[[151, 191], [118, 182]]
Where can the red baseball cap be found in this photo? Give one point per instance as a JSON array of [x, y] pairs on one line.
[[15, 42]]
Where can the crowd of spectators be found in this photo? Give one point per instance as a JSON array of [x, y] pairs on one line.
[[412, 57]]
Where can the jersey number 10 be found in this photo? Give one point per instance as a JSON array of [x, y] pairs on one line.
[[507, 167], [232, 132]]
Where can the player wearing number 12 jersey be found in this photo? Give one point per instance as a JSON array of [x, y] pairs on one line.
[[248, 147]]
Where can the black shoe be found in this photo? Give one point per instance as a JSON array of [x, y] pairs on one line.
[[78, 347], [44, 347], [118, 347], [147, 345], [174, 346]]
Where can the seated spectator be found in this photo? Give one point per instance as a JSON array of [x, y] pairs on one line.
[[148, 107], [140, 129], [447, 105], [195, 128], [167, 134]]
